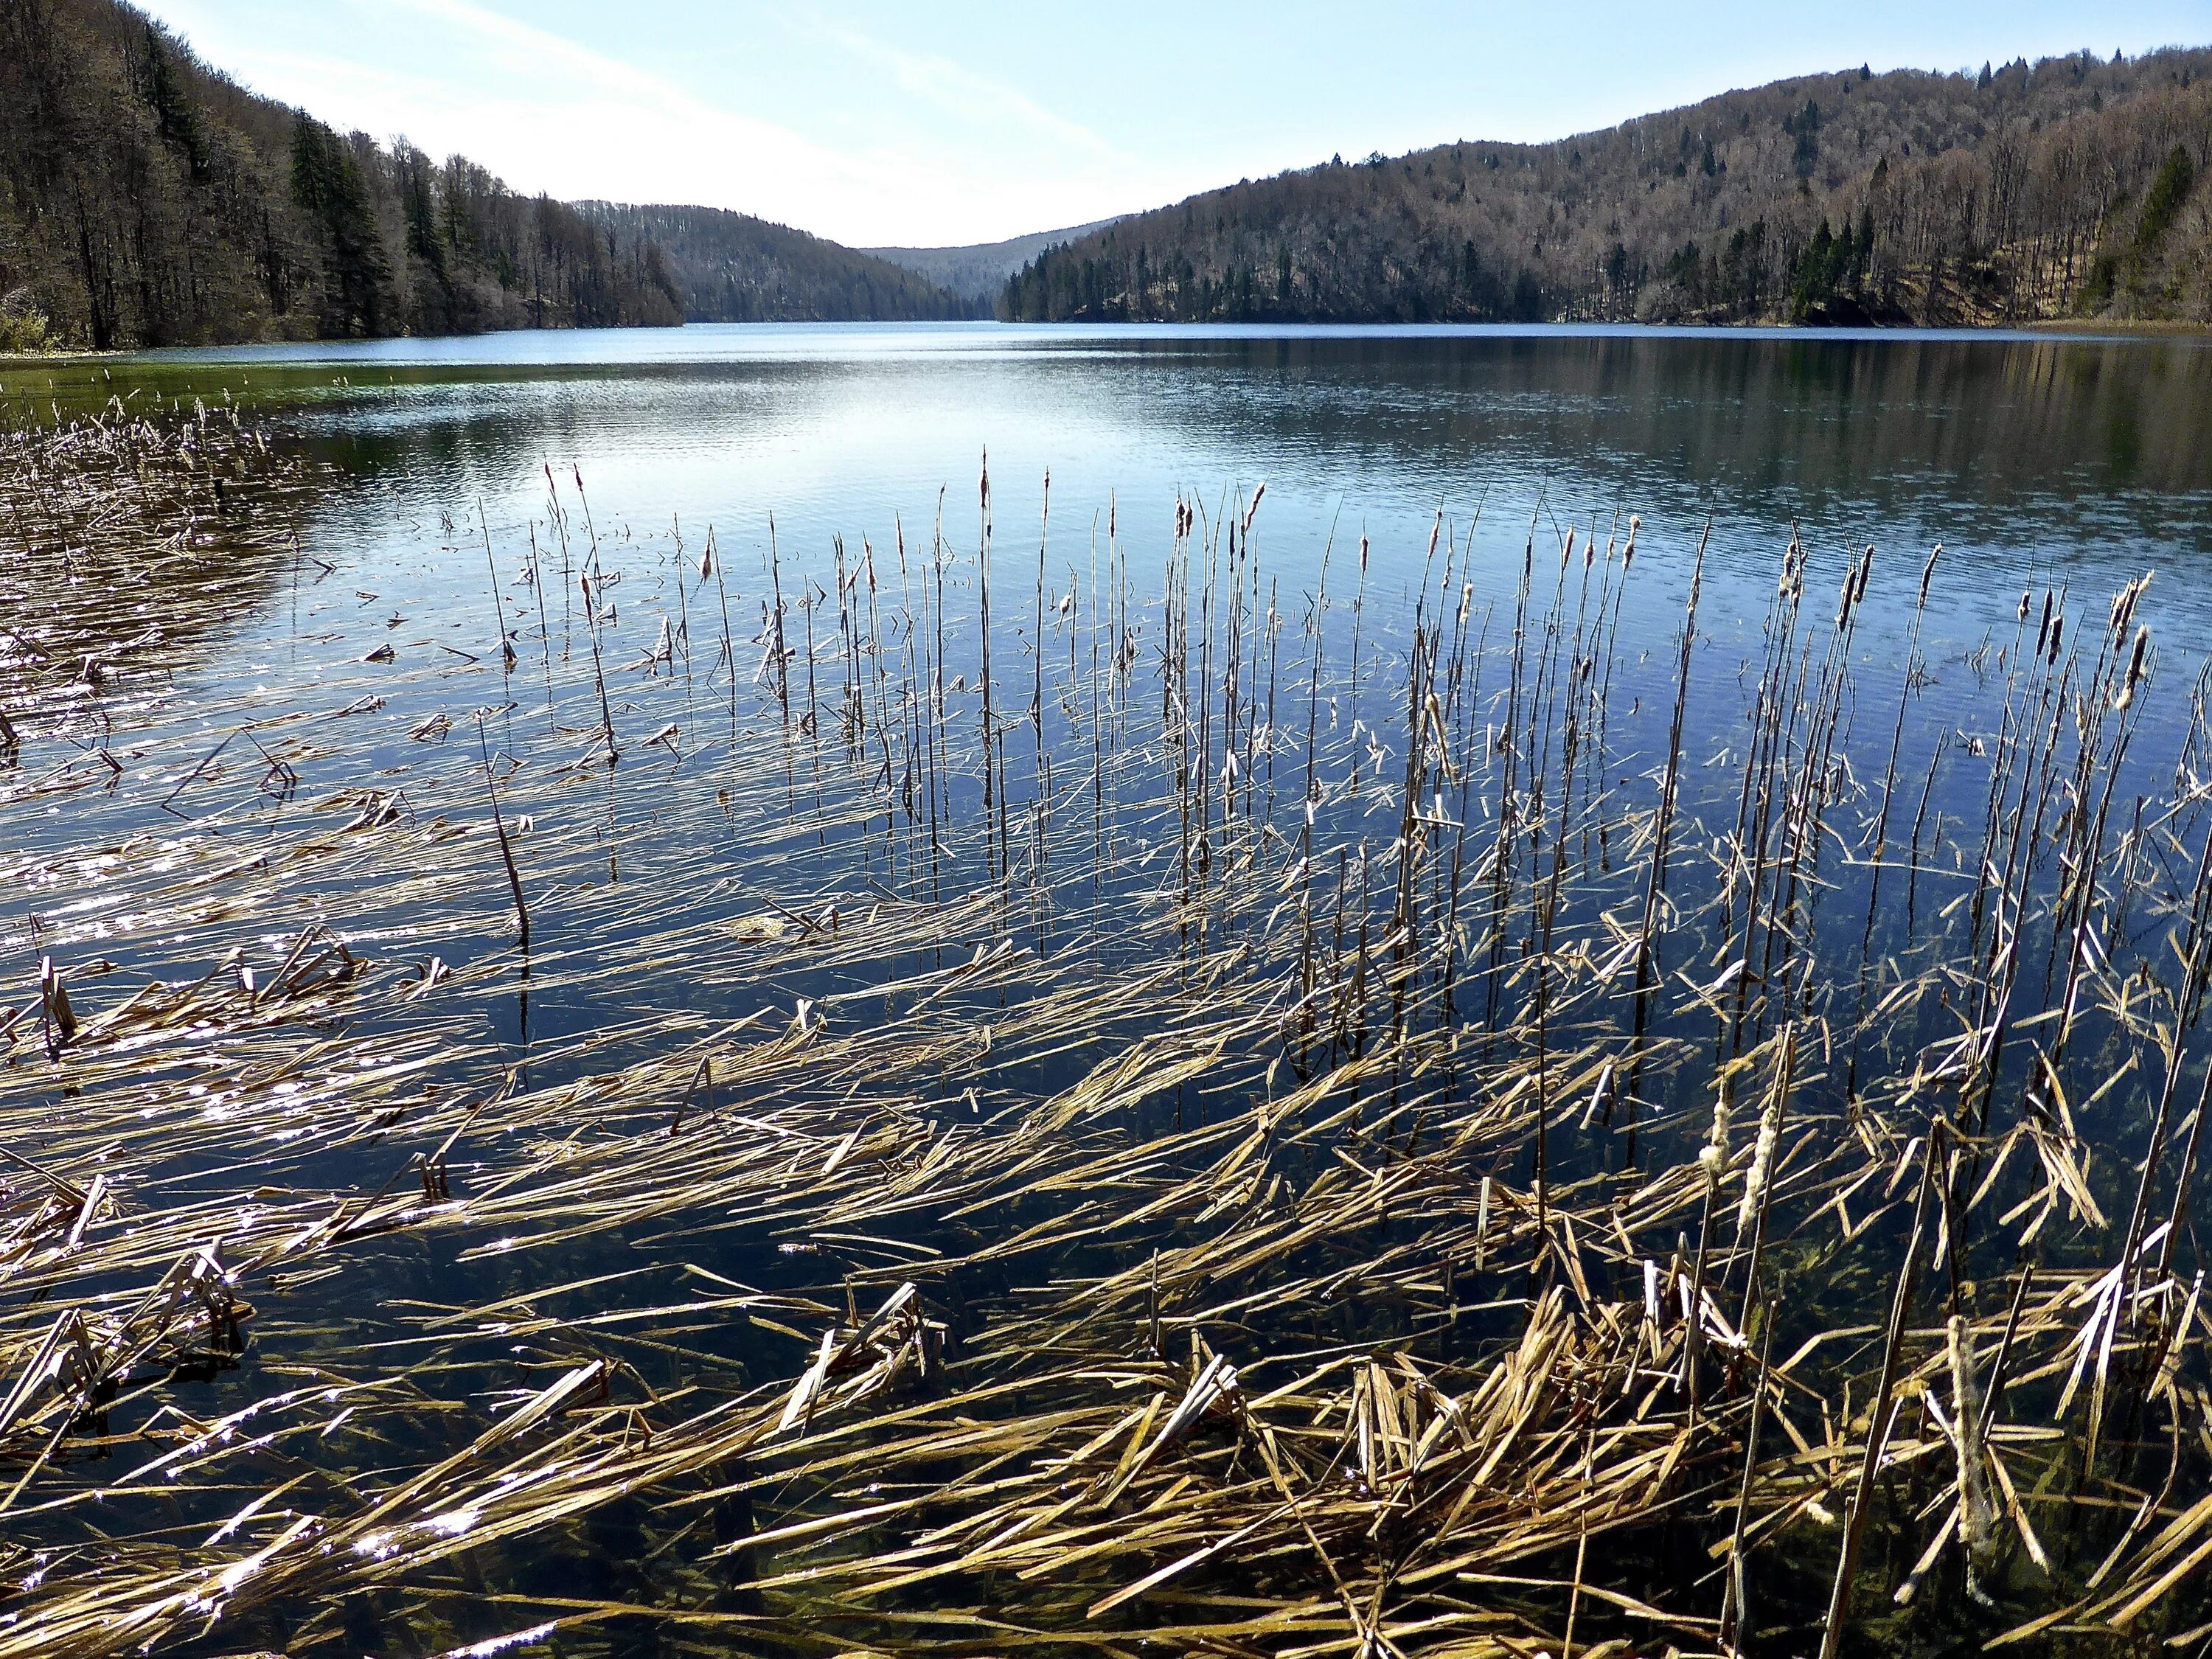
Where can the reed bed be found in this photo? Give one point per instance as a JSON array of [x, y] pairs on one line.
[[902, 1102]]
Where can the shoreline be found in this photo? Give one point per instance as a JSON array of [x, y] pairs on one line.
[[2074, 328]]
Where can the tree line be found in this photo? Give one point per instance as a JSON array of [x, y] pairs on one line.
[[2026, 192], [731, 267]]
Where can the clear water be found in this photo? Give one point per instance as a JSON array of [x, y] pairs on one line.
[[2029, 456], [2038, 462]]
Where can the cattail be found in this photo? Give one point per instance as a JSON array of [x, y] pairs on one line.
[[2134, 669], [2124, 604], [1628, 553], [2057, 634], [1713, 1156], [1762, 1163], [1928, 575]]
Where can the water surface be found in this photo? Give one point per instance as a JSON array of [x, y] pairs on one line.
[[465, 490]]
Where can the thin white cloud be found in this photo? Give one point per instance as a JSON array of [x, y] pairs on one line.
[[614, 85], [547, 112], [960, 92]]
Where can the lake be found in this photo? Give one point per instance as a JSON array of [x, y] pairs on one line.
[[760, 1017]]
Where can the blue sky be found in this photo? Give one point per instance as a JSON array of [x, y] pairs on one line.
[[880, 124]]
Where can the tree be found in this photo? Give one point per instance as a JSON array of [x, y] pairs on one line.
[[328, 184], [2168, 191], [160, 84]]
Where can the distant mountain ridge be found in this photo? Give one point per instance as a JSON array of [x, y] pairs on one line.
[[2071, 187], [978, 272], [148, 199]]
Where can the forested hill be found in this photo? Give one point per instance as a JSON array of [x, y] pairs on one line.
[[146, 199], [978, 271], [2072, 186], [728, 268]]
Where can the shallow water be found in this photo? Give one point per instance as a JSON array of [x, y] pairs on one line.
[[663, 890], [2037, 461]]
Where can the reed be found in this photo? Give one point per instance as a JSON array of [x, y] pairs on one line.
[[1535, 1185]]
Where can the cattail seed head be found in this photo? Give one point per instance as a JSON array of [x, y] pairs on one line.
[[1713, 1157], [2134, 669], [1762, 1164]]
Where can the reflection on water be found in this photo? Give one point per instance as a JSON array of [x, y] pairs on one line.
[[2037, 461], [2013, 443], [2041, 464]]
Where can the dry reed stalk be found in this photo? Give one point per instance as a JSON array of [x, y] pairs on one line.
[[1134, 1276]]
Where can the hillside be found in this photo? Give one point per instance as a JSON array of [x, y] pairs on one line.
[[979, 271], [2069, 187], [147, 199], [730, 268]]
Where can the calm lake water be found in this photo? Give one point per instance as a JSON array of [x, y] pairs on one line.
[[463, 486], [2038, 462], [2030, 457]]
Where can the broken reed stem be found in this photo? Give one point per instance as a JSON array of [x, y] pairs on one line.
[[498, 605], [1879, 1415], [506, 851]]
